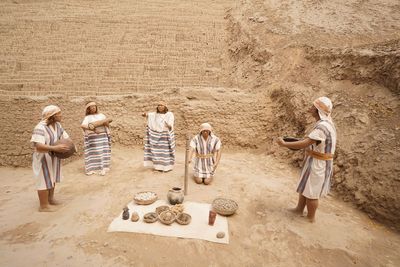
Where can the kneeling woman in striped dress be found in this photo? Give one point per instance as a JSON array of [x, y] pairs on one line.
[[97, 142], [159, 142]]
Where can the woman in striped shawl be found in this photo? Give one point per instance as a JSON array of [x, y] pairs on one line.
[[159, 142], [97, 141], [207, 149], [46, 166], [320, 147]]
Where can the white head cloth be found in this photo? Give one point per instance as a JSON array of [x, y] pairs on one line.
[[205, 126], [324, 106], [49, 111], [162, 103], [90, 104]]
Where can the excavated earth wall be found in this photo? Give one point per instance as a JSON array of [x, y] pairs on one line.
[[250, 68]]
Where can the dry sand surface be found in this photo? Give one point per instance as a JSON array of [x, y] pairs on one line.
[[262, 232], [252, 65]]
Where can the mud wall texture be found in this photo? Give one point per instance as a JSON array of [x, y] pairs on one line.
[[365, 165], [379, 63], [106, 47], [293, 53], [226, 110]]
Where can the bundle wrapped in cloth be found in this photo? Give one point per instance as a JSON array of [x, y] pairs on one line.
[[104, 122]]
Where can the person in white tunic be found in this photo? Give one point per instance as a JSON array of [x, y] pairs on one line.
[[207, 150], [159, 142], [320, 145], [97, 141], [46, 166]]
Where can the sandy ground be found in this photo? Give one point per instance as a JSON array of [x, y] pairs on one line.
[[262, 233]]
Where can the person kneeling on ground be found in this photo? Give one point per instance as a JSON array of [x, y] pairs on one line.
[[320, 147], [207, 149], [46, 166]]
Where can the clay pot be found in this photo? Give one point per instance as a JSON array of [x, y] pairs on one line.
[[125, 214], [175, 195]]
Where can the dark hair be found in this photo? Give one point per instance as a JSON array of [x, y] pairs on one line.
[[87, 112], [51, 119], [166, 110]]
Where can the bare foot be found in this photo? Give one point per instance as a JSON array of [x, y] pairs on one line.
[[46, 209], [54, 202], [296, 211], [311, 220]]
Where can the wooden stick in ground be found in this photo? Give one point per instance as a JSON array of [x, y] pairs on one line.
[[186, 165]]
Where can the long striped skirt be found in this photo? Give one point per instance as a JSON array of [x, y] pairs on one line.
[[159, 150], [97, 152]]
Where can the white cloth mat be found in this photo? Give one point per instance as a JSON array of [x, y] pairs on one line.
[[198, 227]]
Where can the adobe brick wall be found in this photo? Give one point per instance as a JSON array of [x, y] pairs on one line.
[[228, 110], [80, 48]]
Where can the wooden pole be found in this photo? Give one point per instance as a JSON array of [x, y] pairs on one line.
[[186, 165]]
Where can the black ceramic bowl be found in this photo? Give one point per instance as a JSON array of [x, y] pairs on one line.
[[291, 139]]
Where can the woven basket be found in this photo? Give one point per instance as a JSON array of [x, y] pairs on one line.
[[150, 217], [161, 209], [167, 217], [183, 218], [224, 206], [144, 202]]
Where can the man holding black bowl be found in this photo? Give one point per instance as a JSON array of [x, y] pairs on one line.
[[320, 147]]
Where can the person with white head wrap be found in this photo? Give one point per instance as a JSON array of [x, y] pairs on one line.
[[49, 111], [320, 145], [46, 166], [206, 147], [97, 140], [324, 106], [159, 142]]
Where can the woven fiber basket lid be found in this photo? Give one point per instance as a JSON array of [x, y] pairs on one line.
[[167, 217], [145, 198], [224, 206]]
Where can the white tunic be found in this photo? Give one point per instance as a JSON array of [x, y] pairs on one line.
[[204, 165], [46, 166], [92, 118], [316, 174]]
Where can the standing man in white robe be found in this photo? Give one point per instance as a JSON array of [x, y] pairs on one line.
[[320, 147], [46, 166]]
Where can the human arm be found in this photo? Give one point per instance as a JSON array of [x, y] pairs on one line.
[[218, 158], [92, 122], [85, 124], [192, 149], [169, 120], [168, 126], [43, 148], [304, 143]]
